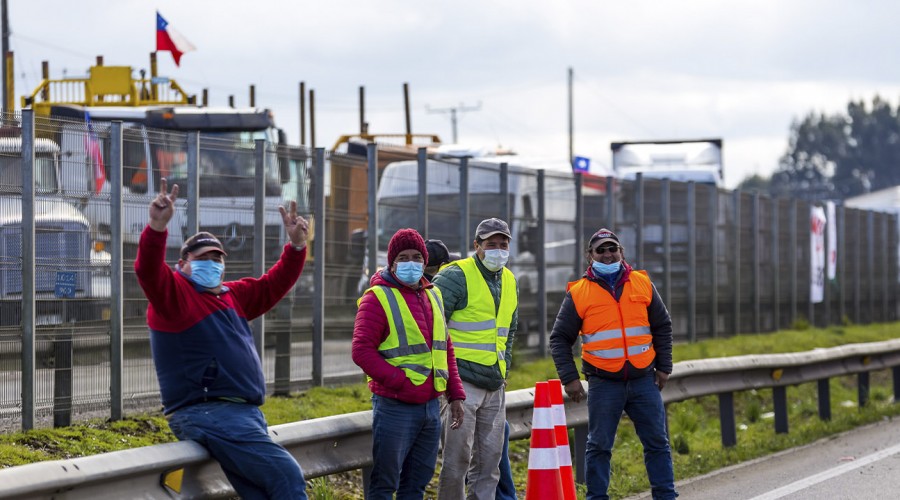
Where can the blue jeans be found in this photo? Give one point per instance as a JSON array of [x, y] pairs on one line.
[[236, 436], [641, 400], [506, 488], [405, 439]]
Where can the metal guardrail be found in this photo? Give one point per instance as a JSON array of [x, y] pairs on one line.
[[341, 443]]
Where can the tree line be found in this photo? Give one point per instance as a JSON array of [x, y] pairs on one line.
[[838, 156]]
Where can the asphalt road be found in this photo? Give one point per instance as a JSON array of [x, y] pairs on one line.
[[860, 464]]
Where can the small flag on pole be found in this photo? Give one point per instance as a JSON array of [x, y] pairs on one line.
[[171, 40], [581, 164]]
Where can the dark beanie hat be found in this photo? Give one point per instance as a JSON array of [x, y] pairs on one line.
[[405, 239]]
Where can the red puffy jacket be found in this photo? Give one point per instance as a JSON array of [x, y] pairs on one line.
[[371, 329]]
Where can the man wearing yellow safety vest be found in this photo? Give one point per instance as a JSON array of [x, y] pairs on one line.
[[481, 305], [626, 355], [400, 341]]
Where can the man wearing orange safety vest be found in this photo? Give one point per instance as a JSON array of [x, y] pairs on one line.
[[626, 355]]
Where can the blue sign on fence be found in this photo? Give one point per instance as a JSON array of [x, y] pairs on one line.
[[65, 284]]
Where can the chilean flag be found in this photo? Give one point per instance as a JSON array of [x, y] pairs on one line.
[[171, 40]]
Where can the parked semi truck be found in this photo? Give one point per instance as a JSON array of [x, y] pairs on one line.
[[156, 116], [697, 160], [68, 263]]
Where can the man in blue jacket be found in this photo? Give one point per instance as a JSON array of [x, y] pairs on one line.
[[210, 375]]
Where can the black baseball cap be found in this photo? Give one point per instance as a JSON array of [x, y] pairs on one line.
[[202, 243], [437, 253]]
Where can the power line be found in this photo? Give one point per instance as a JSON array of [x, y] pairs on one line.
[[453, 112]]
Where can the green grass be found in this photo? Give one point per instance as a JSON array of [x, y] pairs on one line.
[[694, 424]]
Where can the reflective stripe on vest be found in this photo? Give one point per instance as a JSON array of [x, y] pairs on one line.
[[405, 346], [615, 331], [480, 331]]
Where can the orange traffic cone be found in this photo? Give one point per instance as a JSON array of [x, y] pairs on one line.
[[543, 460], [558, 410]]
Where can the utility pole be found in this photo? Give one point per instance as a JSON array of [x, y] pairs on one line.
[[453, 111]]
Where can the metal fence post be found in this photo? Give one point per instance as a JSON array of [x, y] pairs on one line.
[[779, 397], [726, 419], [824, 390], [811, 306], [542, 260], [579, 225], [666, 213], [318, 312], [465, 237], [714, 262], [692, 261], [581, 435], [857, 276], [117, 297], [422, 157], [870, 262], [757, 261], [193, 184], [610, 204], [372, 226], [862, 388], [505, 209], [885, 274], [841, 275], [639, 223], [28, 271], [793, 245], [259, 241], [736, 285], [776, 267]]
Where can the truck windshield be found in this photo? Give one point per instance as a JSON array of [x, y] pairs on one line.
[[44, 174]]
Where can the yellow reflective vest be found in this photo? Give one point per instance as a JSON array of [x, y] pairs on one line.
[[480, 331], [405, 346]]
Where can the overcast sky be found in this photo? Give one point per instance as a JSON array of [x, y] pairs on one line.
[[644, 70]]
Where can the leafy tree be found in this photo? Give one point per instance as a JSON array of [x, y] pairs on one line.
[[841, 155], [755, 182]]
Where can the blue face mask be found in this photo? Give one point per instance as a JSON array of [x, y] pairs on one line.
[[409, 272], [601, 269], [207, 273]]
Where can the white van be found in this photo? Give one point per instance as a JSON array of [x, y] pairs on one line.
[[398, 201]]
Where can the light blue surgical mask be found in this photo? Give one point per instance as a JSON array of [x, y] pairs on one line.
[[601, 269], [495, 259], [409, 272], [207, 273]]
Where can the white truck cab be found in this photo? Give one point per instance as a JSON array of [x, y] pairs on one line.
[[63, 243]]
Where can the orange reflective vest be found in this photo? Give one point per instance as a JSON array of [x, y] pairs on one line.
[[613, 332]]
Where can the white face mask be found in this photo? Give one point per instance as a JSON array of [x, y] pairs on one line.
[[495, 259]]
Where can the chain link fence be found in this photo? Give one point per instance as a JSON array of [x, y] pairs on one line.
[[73, 336]]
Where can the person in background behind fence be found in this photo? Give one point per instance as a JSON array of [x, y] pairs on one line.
[[400, 341], [626, 353], [210, 375], [481, 304], [438, 255]]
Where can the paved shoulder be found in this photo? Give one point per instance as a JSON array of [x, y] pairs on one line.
[[858, 464]]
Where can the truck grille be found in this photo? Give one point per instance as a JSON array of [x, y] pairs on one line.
[[59, 247]]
